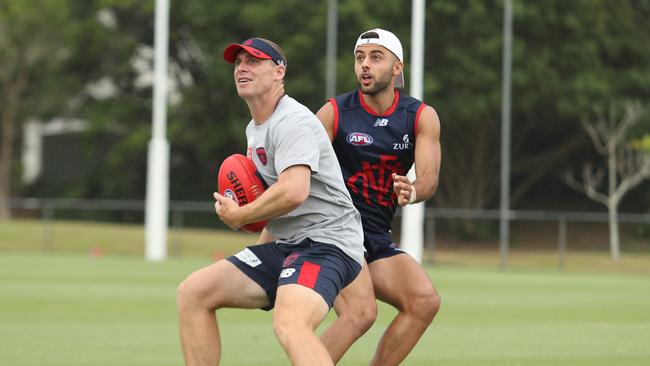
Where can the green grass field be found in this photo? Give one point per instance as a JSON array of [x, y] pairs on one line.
[[79, 293], [119, 239], [72, 309]]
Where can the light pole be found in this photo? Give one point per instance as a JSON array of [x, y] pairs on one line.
[[412, 236], [158, 153], [504, 212]]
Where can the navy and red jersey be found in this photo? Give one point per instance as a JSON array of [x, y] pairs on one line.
[[370, 147]]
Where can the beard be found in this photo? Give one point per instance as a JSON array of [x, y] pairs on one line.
[[381, 82]]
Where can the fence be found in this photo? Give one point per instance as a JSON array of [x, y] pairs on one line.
[[562, 218], [48, 209]]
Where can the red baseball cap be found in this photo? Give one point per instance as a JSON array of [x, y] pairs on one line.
[[256, 47]]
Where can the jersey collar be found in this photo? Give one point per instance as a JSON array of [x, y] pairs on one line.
[[368, 109]]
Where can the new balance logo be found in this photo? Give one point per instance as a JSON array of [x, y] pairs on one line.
[[287, 272], [381, 122]]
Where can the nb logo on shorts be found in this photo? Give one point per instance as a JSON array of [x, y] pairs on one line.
[[287, 272], [396, 247]]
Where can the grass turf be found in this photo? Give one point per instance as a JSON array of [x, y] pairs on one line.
[[58, 236], [72, 309]]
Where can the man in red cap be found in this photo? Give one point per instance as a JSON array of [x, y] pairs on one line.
[[312, 246]]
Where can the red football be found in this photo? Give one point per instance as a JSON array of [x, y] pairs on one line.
[[238, 180]]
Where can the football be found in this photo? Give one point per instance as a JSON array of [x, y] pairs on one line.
[[238, 180]]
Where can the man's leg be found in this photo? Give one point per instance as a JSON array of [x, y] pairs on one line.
[[400, 281], [216, 286], [356, 311], [298, 311]]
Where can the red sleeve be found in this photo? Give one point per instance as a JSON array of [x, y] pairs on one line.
[[417, 118], [335, 125]]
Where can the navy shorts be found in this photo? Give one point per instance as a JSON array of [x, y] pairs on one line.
[[322, 267], [379, 245]]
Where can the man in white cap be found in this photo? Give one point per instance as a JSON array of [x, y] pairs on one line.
[[378, 132]]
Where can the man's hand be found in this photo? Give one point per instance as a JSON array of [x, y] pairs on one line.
[[403, 189], [227, 210]]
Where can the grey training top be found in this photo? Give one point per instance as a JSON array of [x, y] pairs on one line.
[[293, 135]]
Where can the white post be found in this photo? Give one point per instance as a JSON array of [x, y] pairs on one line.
[[32, 151], [412, 237], [504, 217], [332, 35], [156, 215]]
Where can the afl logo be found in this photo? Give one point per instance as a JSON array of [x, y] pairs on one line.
[[230, 194], [359, 139]]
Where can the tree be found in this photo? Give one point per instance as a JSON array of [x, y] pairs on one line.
[[32, 52], [626, 161], [566, 55]]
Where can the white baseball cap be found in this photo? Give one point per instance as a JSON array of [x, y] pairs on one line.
[[389, 41]]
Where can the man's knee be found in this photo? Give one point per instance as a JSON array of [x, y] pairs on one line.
[[366, 316], [424, 304], [356, 304], [186, 295], [361, 318], [298, 310], [190, 294], [285, 326], [281, 328]]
